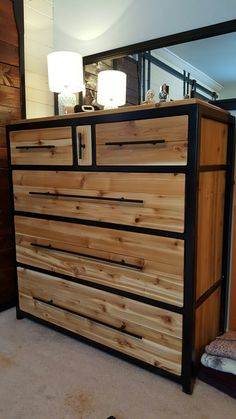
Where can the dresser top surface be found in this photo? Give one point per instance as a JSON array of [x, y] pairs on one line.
[[127, 109]]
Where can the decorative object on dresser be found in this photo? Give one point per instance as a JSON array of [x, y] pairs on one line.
[[122, 223]]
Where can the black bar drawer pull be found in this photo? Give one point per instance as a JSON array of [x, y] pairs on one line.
[[77, 313], [80, 145], [113, 262], [43, 301], [27, 147], [135, 201], [121, 143]]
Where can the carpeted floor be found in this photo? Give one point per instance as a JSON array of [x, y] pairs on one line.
[[46, 375]]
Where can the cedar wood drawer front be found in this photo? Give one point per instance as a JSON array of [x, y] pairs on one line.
[[153, 334], [84, 145], [214, 140], [151, 200], [147, 265], [157, 141], [44, 146]]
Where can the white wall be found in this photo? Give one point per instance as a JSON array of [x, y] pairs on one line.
[[99, 25], [38, 21], [228, 91]]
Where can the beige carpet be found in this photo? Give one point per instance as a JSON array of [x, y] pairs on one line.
[[46, 375]]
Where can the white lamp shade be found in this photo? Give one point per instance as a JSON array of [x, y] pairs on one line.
[[65, 72], [111, 88]]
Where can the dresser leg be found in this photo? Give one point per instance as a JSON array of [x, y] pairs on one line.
[[19, 314], [188, 386]]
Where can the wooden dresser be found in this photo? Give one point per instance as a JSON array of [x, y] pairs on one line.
[[122, 222]]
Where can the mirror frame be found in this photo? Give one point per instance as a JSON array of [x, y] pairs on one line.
[[210, 31]]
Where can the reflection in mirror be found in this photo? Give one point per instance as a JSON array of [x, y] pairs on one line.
[[203, 68], [128, 64]]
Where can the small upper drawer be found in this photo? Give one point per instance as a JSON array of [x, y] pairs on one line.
[[43, 146], [84, 145], [157, 141]]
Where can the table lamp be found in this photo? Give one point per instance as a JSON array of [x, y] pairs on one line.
[[65, 76], [111, 88]]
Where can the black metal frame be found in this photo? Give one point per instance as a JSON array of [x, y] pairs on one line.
[[141, 48], [229, 186], [181, 76], [192, 170], [227, 104], [190, 252], [165, 41]]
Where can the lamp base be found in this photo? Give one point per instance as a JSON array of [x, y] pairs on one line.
[[66, 103], [110, 107]]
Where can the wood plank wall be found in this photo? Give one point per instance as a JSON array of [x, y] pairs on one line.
[[38, 20], [9, 110]]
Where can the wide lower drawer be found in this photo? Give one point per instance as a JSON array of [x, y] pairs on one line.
[[145, 332], [154, 141], [42, 146], [151, 200], [147, 265]]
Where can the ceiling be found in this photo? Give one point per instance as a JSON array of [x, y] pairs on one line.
[[96, 26]]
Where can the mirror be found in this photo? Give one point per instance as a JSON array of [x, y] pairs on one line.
[[199, 63]]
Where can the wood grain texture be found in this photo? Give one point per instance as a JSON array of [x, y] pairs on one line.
[[213, 145], [9, 96], [162, 195], [59, 138], [159, 325], [156, 269], [131, 68], [207, 322], [3, 142], [8, 114], [210, 229], [86, 144], [3, 150], [174, 130], [9, 54], [158, 331], [3, 158], [127, 109], [8, 31], [9, 75]]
